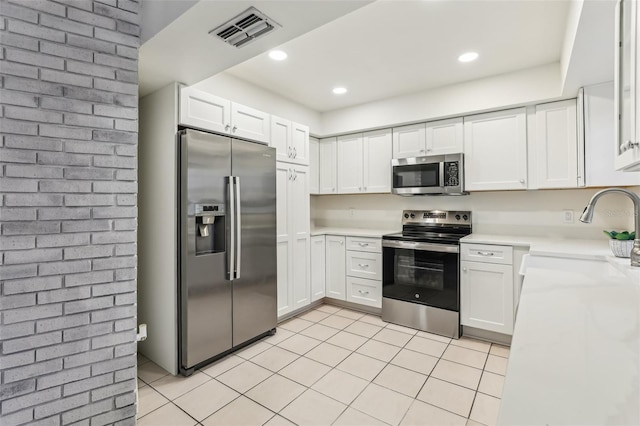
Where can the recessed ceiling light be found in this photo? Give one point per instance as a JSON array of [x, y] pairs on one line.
[[339, 90], [278, 55], [468, 57]]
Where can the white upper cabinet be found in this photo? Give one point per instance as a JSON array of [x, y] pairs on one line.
[[350, 164], [300, 143], [204, 111], [249, 123], [554, 151], [627, 86], [281, 138], [445, 137], [376, 161], [314, 166], [409, 141], [495, 148], [208, 112], [328, 166], [599, 136], [291, 141]]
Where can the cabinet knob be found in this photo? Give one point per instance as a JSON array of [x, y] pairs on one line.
[[521, 180], [365, 188], [363, 292], [360, 188], [234, 129], [226, 127], [429, 149], [422, 150], [464, 269], [341, 242], [363, 265], [333, 190], [295, 153]]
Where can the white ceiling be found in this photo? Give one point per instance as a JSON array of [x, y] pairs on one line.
[[184, 51], [390, 48]]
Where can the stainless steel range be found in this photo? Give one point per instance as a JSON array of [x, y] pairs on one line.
[[421, 282]]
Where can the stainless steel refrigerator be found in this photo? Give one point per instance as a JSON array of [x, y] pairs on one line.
[[227, 261]]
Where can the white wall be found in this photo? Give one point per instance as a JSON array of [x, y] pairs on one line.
[[537, 213], [501, 91], [243, 92]]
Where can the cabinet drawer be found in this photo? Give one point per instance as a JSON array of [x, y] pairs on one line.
[[364, 244], [487, 253], [365, 292], [364, 265]]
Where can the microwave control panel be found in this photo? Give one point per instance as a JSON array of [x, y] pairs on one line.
[[451, 173]]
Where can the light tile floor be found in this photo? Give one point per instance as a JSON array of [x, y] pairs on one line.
[[333, 366]]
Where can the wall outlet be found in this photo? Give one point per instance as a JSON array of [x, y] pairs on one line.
[[567, 216]]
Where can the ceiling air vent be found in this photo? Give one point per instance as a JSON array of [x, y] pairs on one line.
[[245, 28]]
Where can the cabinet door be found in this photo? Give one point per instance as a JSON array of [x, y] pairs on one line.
[[445, 137], [495, 148], [350, 164], [299, 222], [599, 138], [281, 138], [328, 166], [317, 267], [409, 141], [486, 296], [335, 277], [554, 158], [285, 295], [377, 147], [204, 111], [300, 144], [314, 166], [249, 123], [627, 86]]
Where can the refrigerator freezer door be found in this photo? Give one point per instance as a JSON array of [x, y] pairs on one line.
[[205, 293], [255, 291]]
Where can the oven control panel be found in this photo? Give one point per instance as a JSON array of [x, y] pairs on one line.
[[436, 216]]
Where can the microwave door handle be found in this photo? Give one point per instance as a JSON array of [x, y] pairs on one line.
[[441, 174]]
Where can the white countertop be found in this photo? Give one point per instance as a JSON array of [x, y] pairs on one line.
[[575, 354], [352, 232]]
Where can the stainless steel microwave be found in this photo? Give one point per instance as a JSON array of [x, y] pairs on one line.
[[428, 175]]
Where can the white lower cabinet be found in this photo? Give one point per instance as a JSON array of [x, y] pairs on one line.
[[335, 283], [364, 292], [293, 239], [318, 267], [486, 289]]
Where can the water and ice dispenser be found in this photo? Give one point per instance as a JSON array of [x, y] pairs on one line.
[[210, 228]]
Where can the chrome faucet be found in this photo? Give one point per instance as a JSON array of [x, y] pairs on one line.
[[587, 217]]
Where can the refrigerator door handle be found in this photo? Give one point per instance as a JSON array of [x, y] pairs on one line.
[[238, 232], [231, 250]]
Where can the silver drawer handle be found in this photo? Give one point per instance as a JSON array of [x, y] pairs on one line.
[[363, 265], [363, 244], [363, 292], [485, 253]]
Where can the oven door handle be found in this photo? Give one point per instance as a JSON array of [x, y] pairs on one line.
[[412, 245]]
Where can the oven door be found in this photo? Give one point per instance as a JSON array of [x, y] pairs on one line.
[[421, 273], [420, 175]]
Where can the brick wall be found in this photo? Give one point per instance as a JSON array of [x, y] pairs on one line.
[[68, 114]]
